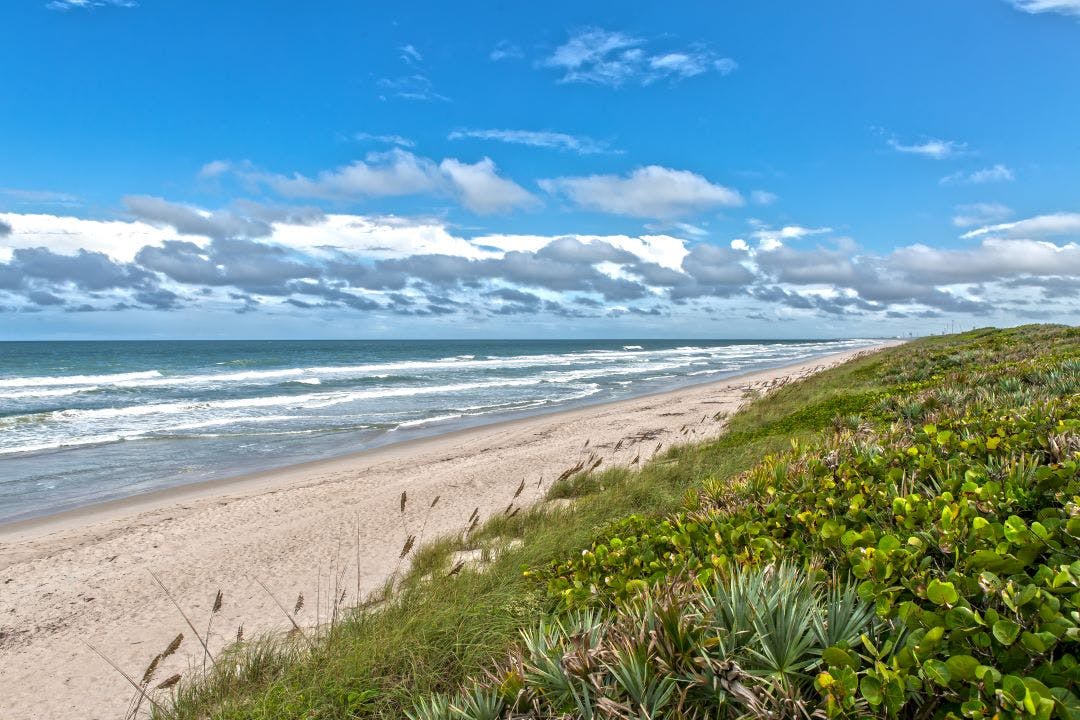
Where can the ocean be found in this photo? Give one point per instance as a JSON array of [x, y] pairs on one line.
[[84, 422]]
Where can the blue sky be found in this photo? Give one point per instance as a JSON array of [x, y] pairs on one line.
[[174, 168]]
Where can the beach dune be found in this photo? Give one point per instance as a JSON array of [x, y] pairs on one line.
[[84, 578]]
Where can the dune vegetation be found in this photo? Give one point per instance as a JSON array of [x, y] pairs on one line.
[[898, 537]]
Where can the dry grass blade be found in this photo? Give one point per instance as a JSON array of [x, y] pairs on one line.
[[182, 613], [475, 514], [457, 568], [520, 488], [434, 502], [131, 681], [214, 610], [240, 633], [407, 547], [508, 509], [636, 460], [299, 604], [570, 471]]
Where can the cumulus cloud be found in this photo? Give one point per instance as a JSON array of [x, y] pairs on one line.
[[481, 190], [995, 173], [537, 138], [384, 174], [398, 267], [652, 191], [603, 57], [190, 221], [930, 148], [398, 172], [1054, 224], [992, 259], [770, 238], [5, 229]]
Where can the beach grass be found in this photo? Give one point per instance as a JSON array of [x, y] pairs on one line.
[[449, 621]]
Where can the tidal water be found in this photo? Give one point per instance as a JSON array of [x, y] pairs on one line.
[[83, 422]]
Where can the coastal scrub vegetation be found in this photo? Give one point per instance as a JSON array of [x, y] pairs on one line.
[[897, 537]]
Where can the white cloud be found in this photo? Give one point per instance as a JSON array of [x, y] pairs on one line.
[[537, 138], [652, 191], [1064, 7], [994, 258], [214, 168], [773, 238], [482, 190], [397, 173], [410, 54], [1039, 226], [118, 239], [506, 50], [64, 5], [386, 264], [411, 87], [386, 174], [995, 173], [930, 148], [385, 139], [980, 214], [40, 197], [604, 57], [763, 197]]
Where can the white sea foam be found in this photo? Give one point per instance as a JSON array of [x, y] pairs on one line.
[[472, 386], [55, 380], [60, 392]]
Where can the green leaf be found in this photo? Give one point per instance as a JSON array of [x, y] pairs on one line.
[[870, 687], [942, 593], [839, 657], [962, 667], [937, 672], [1006, 631]]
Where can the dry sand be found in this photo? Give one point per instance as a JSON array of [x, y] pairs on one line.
[[84, 577]]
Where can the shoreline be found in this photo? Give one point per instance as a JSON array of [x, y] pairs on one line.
[[85, 578], [21, 529]]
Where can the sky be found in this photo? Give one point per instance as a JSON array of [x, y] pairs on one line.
[[284, 169]]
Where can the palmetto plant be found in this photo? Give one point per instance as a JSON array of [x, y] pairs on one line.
[[749, 645]]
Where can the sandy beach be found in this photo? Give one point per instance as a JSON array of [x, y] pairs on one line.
[[84, 578]]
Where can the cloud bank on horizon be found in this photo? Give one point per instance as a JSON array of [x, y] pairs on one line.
[[441, 216]]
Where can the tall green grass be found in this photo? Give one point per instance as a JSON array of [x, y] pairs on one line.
[[438, 631]]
